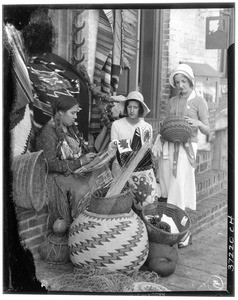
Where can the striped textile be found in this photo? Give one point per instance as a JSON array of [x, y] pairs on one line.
[[106, 75], [23, 89], [95, 119], [117, 48], [129, 41], [20, 116], [103, 47]]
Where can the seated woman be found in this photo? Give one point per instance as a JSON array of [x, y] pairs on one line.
[[65, 151]]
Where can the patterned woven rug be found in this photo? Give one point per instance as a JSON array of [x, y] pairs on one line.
[[101, 280]]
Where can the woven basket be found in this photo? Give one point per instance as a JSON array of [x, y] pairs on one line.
[[159, 236], [176, 129], [117, 204], [54, 249], [29, 180], [116, 242]]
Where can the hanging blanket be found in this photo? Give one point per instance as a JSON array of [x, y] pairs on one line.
[[53, 77]]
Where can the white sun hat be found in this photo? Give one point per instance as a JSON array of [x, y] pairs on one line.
[[135, 95], [181, 69]]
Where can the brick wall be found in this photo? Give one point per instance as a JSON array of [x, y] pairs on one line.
[[32, 227], [204, 161], [165, 87], [187, 37]]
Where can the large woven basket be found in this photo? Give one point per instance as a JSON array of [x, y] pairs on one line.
[[29, 180], [159, 236], [176, 129], [116, 242], [117, 204]]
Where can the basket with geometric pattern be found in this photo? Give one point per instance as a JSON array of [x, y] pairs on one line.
[[116, 242], [176, 129]]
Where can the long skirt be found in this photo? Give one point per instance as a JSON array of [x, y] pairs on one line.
[[179, 190]]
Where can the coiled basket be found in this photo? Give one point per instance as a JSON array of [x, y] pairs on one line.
[[178, 215], [176, 129]]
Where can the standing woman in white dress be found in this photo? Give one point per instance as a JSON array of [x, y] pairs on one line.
[[180, 190]]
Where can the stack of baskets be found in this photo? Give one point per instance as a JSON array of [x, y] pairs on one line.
[[176, 129], [159, 236]]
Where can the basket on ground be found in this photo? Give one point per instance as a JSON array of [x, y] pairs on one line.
[[117, 204], [54, 249], [179, 216], [176, 129]]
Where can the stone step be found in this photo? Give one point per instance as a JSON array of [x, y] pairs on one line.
[[210, 183], [210, 211]]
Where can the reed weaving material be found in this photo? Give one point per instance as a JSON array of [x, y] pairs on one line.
[[159, 236], [117, 242], [93, 279], [29, 180], [126, 171], [176, 129]]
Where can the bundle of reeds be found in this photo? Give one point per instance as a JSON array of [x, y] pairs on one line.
[[123, 176]]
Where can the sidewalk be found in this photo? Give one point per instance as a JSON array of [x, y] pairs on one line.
[[202, 266]]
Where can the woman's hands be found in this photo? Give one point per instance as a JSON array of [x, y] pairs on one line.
[[87, 158], [193, 122], [196, 123]]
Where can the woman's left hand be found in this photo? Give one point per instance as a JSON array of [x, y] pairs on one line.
[[193, 122]]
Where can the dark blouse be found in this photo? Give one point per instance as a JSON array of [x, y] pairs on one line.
[[47, 141]]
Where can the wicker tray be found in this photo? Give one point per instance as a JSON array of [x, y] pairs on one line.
[[159, 236], [176, 129], [117, 204]]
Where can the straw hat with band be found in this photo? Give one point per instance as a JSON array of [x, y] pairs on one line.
[[137, 96], [181, 69]]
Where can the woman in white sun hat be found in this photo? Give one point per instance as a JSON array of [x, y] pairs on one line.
[[130, 133], [179, 187]]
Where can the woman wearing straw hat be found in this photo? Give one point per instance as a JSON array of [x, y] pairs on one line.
[[64, 151], [177, 178], [130, 133]]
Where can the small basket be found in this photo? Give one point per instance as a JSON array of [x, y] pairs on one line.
[[159, 236], [176, 129], [117, 204], [54, 249]]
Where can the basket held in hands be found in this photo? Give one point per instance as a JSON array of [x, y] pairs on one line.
[[176, 129]]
